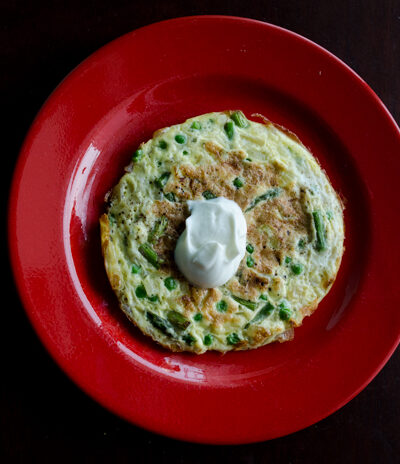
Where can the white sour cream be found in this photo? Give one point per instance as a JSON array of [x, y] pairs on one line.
[[211, 247]]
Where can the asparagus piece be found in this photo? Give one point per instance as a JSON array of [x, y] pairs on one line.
[[159, 323], [264, 312], [240, 119], [208, 195], [162, 180], [158, 229], [320, 231], [152, 257], [249, 304], [177, 320], [272, 193]]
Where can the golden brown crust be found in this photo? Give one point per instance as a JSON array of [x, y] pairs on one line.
[[249, 284], [176, 214], [285, 336]]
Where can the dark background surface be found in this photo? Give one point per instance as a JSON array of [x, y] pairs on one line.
[[44, 416]]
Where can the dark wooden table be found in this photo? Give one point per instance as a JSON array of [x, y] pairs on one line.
[[45, 417]]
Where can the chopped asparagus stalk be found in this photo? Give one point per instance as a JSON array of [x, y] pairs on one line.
[[162, 180], [152, 257], [272, 193], [189, 339], [170, 196], [195, 125], [240, 119], [249, 304], [158, 229], [159, 323], [284, 311], [232, 339], [320, 244], [264, 312], [208, 195], [177, 320]]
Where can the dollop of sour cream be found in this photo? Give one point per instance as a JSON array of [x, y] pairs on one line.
[[211, 247]]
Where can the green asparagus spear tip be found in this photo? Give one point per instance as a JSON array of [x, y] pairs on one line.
[[158, 229]]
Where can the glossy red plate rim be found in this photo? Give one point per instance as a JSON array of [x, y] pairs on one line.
[[382, 256]]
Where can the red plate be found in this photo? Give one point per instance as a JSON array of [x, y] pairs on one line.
[[75, 151]]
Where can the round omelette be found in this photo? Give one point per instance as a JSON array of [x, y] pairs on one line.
[[295, 233]]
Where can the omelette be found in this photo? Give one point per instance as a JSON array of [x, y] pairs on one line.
[[294, 241]]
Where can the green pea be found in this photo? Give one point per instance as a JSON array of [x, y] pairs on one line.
[[137, 155], [170, 283], [264, 297], [185, 152], [297, 268], [222, 306], [208, 195], [169, 196], [233, 339], [250, 261], [288, 259], [208, 339], [181, 139], [135, 269], [238, 182], [229, 128], [198, 317], [141, 292], [195, 125], [153, 298], [249, 248], [163, 144]]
